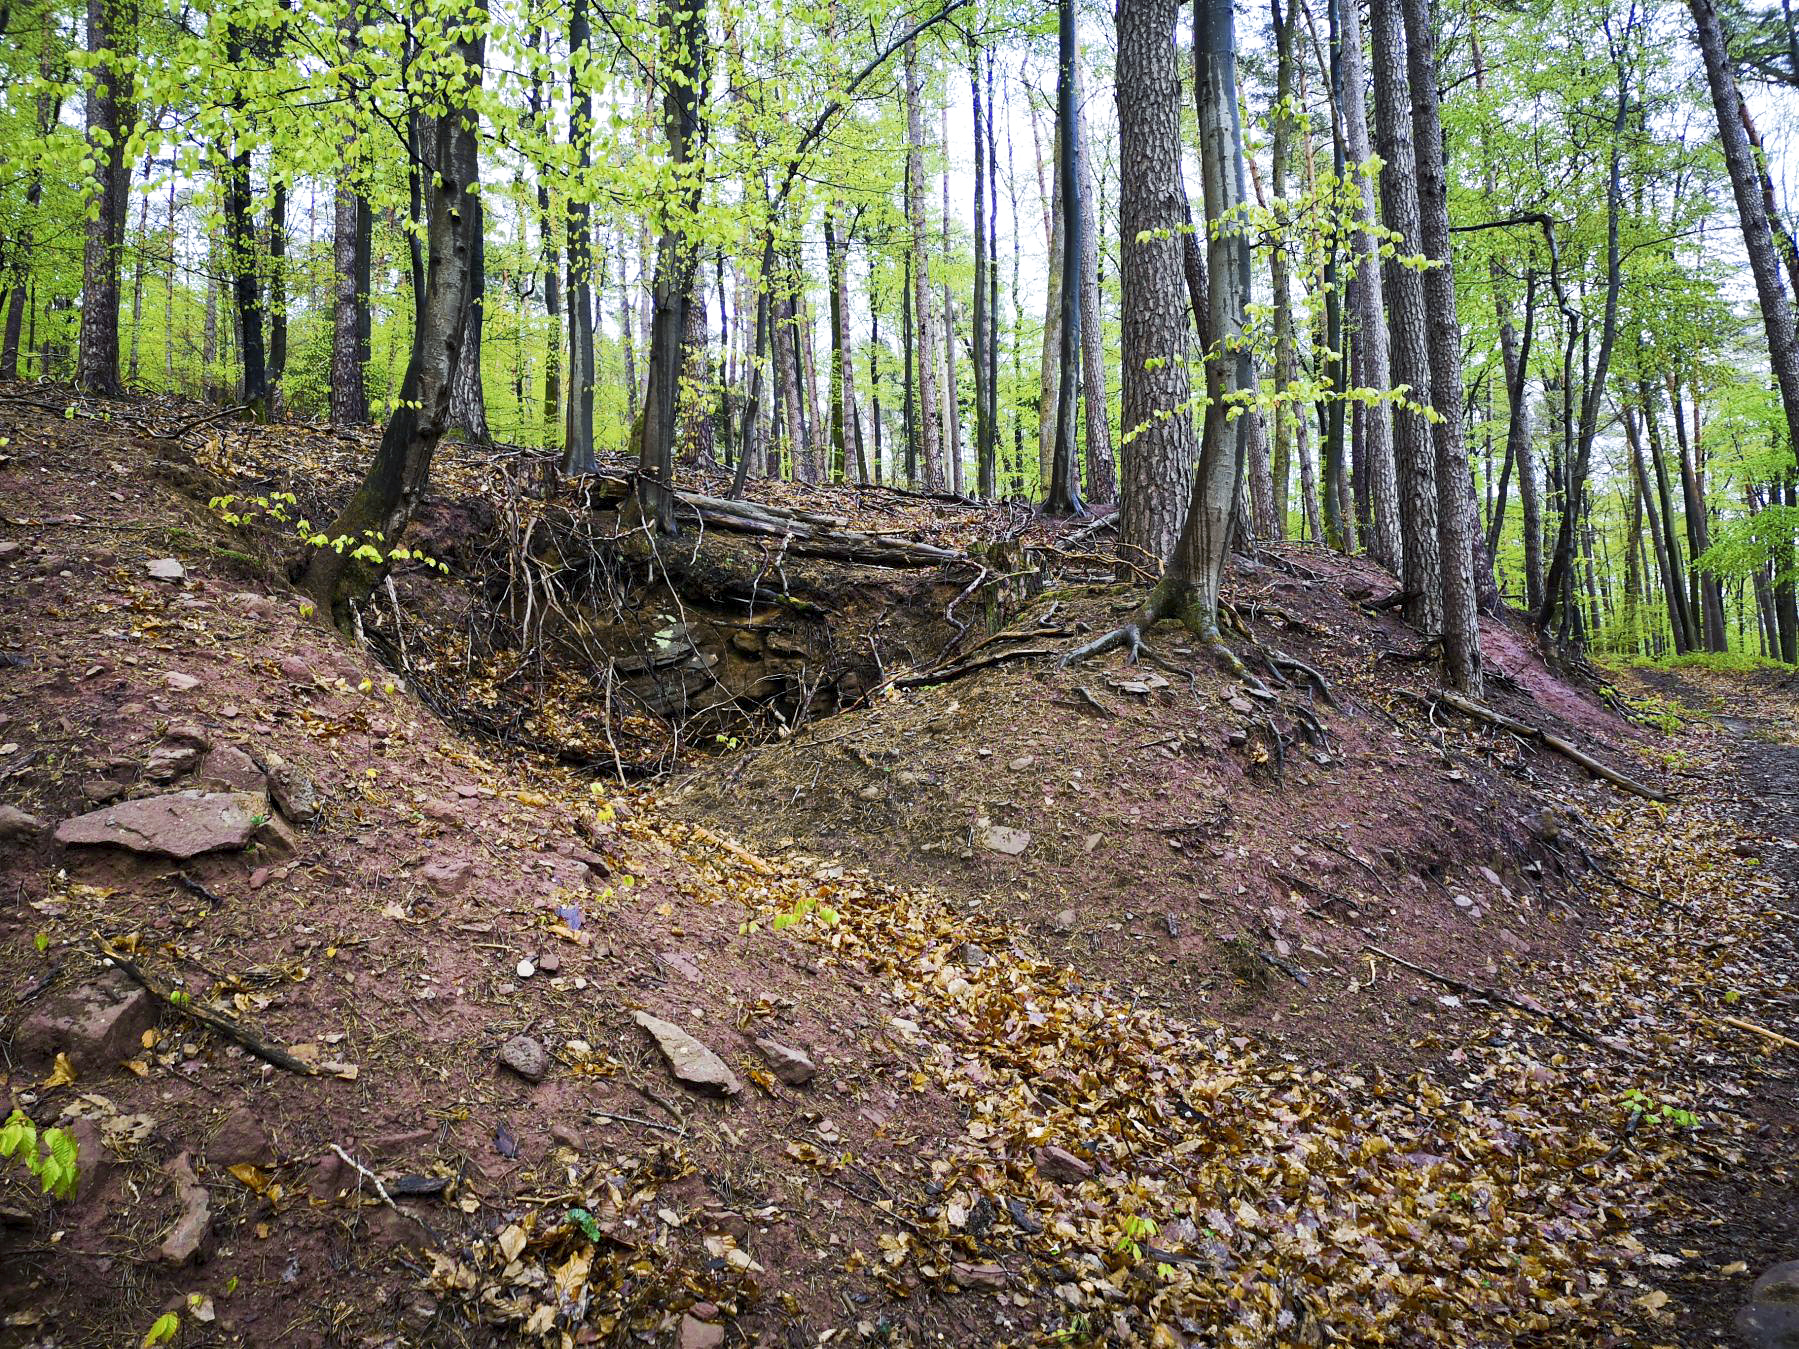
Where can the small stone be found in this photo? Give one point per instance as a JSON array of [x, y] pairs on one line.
[[549, 963], [1001, 839], [101, 790], [97, 1024], [180, 682], [689, 1060], [1059, 1164], [241, 1138], [979, 1276], [296, 795], [296, 669], [8, 547], [697, 1334], [1463, 902], [1063, 922], [18, 826], [790, 1065], [526, 968], [1237, 738], [526, 1057], [1022, 762], [1491, 877], [168, 762], [871, 792], [1242, 706], [165, 569], [195, 1220], [971, 956], [448, 875], [228, 768], [568, 1136], [1770, 1320]]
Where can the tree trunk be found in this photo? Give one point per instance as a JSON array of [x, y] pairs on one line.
[[1414, 452], [924, 417], [397, 479], [277, 295], [468, 398], [349, 392], [984, 442], [1286, 356], [577, 437], [1064, 497], [1384, 536], [137, 275], [1049, 382], [1158, 452], [108, 124], [1102, 476], [246, 289], [1457, 514], [683, 24], [1758, 234]]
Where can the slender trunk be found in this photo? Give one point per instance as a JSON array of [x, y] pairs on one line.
[[577, 436], [1286, 363], [109, 25], [399, 475], [1064, 497], [1049, 382], [984, 442], [137, 275], [1384, 537], [924, 416], [277, 295], [349, 393], [1102, 477], [468, 398]]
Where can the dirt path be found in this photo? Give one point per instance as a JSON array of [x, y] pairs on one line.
[[1748, 1213]]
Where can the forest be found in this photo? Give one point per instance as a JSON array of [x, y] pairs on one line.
[[973, 673]]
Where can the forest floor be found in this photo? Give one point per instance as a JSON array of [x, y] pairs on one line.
[[1108, 1004]]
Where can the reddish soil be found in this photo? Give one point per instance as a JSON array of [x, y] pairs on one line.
[[1212, 859]]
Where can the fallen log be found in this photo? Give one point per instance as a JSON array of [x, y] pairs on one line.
[[1549, 740], [807, 533]]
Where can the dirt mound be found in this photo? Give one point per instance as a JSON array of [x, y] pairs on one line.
[[381, 1076]]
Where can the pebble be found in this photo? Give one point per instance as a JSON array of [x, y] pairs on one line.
[[165, 569], [526, 1057]]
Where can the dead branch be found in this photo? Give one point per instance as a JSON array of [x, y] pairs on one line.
[[212, 1020], [1549, 740], [943, 676]]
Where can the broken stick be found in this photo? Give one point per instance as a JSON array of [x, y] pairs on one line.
[[1548, 739]]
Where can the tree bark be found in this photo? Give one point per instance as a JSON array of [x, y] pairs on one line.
[[984, 441], [397, 479], [1064, 496], [468, 397], [1384, 536], [1457, 515], [1158, 449], [349, 391], [1414, 451], [577, 437], [923, 325], [1752, 212], [1102, 476], [108, 125]]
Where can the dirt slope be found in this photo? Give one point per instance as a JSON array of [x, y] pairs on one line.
[[1111, 1129]]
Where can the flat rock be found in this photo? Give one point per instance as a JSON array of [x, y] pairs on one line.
[[228, 768], [296, 669], [1770, 1319], [697, 1334], [791, 1065], [241, 1138], [979, 1276], [195, 1219], [689, 1060], [447, 875], [165, 569], [18, 826], [181, 682], [1001, 839], [179, 824], [1063, 922], [526, 1057], [97, 1023], [1055, 1163]]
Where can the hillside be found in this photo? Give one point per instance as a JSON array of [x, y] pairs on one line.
[[1015, 1003]]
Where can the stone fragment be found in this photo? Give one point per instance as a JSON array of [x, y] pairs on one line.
[[1063, 922], [292, 667], [526, 1057], [168, 762], [978, 1276], [165, 569], [101, 790], [18, 826], [180, 682], [697, 1334], [688, 1059], [1001, 839], [97, 1024], [229, 769], [179, 824], [241, 1139], [296, 795], [791, 1065], [1059, 1164], [1770, 1319], [195, 1219], [447, 875]]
